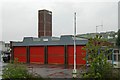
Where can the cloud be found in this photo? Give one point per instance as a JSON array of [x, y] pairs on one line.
[[20, 18], [0, 21], [89, 15]]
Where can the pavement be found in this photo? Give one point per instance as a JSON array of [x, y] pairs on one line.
[[48, 71], [54, 71], [1, 68]]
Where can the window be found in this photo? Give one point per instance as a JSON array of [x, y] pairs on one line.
[[109, 57], [116, 51], [45, 39], [7, 45], [35, 39], [118, 57], [114, 57]]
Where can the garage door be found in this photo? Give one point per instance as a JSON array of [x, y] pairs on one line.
[[80, 54], [37, 55], [20, 53], [55, 54]]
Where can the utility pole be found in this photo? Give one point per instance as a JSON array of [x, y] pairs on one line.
[[98, 26], [74, 70]]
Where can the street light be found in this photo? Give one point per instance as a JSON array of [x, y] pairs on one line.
[[98, 26], [74, 70]]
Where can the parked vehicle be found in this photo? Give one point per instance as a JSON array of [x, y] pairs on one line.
[[6, 57]]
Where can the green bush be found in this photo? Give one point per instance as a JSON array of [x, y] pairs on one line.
[[97, 53], [16, 70]]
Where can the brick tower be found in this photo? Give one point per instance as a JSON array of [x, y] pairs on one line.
[[44, 23]]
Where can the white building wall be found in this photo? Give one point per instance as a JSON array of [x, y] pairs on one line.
[[2, 48]]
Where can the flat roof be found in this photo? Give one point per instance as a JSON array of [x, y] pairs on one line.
[[42, 41]]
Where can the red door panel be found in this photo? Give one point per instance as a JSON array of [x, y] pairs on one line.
[[37, 54], [56, 60], [20, 53], [55, 54], [80, 54], [70, 60]]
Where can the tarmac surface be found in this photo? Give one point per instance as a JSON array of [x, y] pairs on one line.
[[49, 71], [54, 71]]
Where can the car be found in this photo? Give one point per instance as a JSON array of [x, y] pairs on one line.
[[6, 57]]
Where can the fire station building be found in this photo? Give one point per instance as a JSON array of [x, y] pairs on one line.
[[49, 50]]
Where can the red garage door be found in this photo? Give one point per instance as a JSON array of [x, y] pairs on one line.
[[20, 53], [80, 54], [55, 54], [37, 55]]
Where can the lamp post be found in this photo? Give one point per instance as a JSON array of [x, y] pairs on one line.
[[98, 26], [74, 70]]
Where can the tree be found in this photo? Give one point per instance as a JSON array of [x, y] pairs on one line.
[[97, 53], [118, 39]]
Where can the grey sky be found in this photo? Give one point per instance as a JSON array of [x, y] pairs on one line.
[[19, 18]]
